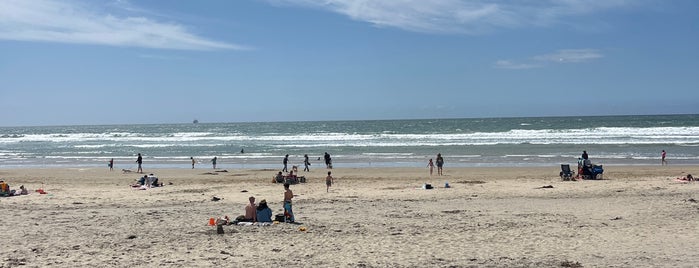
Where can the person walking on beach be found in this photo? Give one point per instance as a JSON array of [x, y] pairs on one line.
[[440, 164], [662, 158], [328, 161], [213, 161], [111, 164], [328, 182], [430, 165], [306, 163], [192, 157], [288, 195], [139, 160], [284, 162]]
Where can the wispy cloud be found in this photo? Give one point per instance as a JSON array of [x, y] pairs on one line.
[[71, 21], [570, 56], [508, 64], [561, 56], [461, 16]]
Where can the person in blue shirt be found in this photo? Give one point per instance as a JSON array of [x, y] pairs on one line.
[[264, 213]]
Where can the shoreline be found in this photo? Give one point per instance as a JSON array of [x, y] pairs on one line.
[[182, 163]]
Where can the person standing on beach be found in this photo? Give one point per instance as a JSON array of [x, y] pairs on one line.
[[111, 164], [440, 164], [328, 182], [285, 161], [584, 155], [306, 163], [139, 160], [213, 161], [662, 158], [192, 161], [430, 165], [288, 195], [328, 161]]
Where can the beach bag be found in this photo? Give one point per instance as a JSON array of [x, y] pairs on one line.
[[279, 217]]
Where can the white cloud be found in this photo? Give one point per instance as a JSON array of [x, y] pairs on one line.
[[77, 22], [461, 16], [507, 64], [558, 57], [570, 56]]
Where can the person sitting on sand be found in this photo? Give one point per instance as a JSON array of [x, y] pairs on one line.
[[141, 182], [23, 190], [264, 213], [5, 189], [153, 181], [279, 177], [291, 178], [687, 178], [250, 211]]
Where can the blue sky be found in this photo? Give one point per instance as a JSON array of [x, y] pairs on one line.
[[114, 62]]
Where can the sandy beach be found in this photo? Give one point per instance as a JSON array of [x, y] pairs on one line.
[[638, 216]]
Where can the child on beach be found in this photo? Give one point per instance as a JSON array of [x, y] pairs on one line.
[[328, 182], [430, 165]]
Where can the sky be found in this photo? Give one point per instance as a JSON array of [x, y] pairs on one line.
[[74, 62]]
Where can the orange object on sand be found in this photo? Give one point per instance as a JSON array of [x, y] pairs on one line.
[[41, 191], [212, 221]]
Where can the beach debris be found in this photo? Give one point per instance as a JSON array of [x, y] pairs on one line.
[[131, 237], [471, 182], [453, 211], [16, 262], [303, 228], [276, 250], [571, 264], [546, 187], [222, 170], [215, 198], [616, 218], [244, 191], [690, 200]]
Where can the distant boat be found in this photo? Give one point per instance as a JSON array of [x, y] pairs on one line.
[[195, 121]]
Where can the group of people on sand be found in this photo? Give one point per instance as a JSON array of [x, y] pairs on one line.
[[5, 190], [261, 213], [307, 162], [147, 181], [139, 163]]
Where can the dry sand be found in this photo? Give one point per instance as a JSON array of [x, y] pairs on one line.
[[373, 217]]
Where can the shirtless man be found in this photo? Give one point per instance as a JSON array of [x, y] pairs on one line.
[[288, 195], [251, 211]]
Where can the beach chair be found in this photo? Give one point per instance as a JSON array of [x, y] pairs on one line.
[[566, 174]]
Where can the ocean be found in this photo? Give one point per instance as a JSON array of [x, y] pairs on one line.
[[472, 142]]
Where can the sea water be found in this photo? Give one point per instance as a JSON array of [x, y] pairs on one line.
[[489, 142]]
